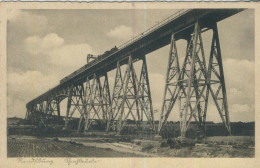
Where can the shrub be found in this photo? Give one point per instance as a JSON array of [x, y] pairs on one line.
[[164, 145]]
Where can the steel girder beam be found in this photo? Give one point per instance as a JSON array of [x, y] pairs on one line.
[[131, 98], [191, 84]]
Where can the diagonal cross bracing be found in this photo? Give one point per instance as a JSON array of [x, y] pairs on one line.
[[191, 84], [131, 98]]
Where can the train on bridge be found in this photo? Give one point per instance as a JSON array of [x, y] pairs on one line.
[[132, 97], [97, 59]]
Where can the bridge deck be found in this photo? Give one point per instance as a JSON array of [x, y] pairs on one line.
[[158, 36]]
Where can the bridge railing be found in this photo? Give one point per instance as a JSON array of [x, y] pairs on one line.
[[154, 27]]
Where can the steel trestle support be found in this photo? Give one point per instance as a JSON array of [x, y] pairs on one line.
[[75, 102], [97, 102], [191, 84], [131, 98], [45, 112]]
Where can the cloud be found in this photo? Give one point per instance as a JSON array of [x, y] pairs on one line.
[[31, 23], [236, 108], [51, 41], [16, 108], [235, 92], [31, 84], [240, 81], [239, 72], [157, 88], [36, 45], [72, 56], [240, 84], [237, 112], [33, 45], [242, 112], [121, 32]]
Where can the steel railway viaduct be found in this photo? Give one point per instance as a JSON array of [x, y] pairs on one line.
[[188, 84]]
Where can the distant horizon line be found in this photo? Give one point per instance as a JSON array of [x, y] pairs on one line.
[[158, 120]]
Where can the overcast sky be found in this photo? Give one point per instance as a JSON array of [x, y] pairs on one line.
[[45, 45]]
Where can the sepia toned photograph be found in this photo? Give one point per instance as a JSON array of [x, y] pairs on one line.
[[113, 83]]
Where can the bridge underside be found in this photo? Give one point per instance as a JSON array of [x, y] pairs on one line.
[[188, 85]]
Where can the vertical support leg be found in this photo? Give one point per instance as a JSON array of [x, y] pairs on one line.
[[48, 109], [130, 98], [44, 117], [27, 115], [31, 116], [216, 74], [125, 85], [87, 97], [51, 110], [75, 99], [135, 84], [116, 103], [68, 106], [58, 107], [95, 103], [187, 85], [81, 105], [145, 93], [106, 99], [171, 84], [189, 81], [194, 77]]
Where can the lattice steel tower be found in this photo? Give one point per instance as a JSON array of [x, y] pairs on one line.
[[191, 84]]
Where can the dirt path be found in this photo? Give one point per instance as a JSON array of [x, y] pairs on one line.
[[119, 147]]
